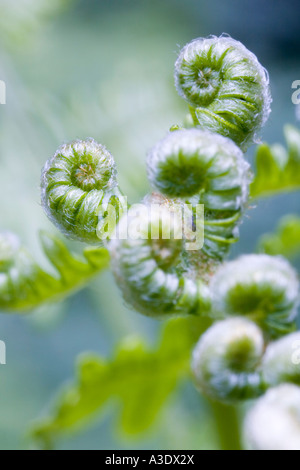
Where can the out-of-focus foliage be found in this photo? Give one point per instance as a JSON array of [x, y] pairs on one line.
[[19, 19], [277, 168], [285, 241], [139, 379], [24, 285]]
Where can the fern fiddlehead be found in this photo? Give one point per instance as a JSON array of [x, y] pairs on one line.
[[281, 361], [24, 285], [226, 87], [263, 288], [226, 360], [274, 422], [231, 363], [204, 168], [78, 184], [148, 267]]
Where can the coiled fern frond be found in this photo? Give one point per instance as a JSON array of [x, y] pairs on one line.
[[263, 288], [274, 421], [78, 185], [148, 265], [226, 360], [200, 167], [226, 87]]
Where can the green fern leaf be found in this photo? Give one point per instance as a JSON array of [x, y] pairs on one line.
[[139, 379], [24, 285], [278, 169], [285, 241]]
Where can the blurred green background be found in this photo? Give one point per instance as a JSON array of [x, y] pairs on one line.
[[104, 69]]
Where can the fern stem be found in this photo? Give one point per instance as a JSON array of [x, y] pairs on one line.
[[228, 425]]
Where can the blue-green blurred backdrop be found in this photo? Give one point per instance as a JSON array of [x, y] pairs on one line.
[[104, 69]]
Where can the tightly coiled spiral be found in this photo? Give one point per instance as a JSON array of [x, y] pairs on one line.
[[281, 361], [263, 288], [148, 266], [274, 422], [204, 168], [226, 87], [78, 184], [226, 360]]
